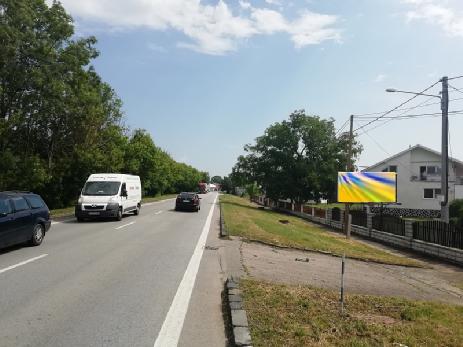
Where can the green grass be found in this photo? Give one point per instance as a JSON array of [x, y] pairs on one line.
[[69, 211], [281, 315], [62, 212], [248, 221]]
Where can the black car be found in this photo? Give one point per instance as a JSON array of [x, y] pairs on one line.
[[187, 201], [24, 217]]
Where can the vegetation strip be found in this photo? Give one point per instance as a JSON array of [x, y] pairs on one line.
[[245, 219], [281, 315]]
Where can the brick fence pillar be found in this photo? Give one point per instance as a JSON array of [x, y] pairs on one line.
[[409, 230], [370, 223]]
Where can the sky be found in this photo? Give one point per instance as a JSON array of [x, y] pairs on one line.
[[207, 77]]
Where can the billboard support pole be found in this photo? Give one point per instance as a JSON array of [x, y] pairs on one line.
[[348, 169]]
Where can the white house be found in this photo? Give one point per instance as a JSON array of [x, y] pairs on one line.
[[419, 177]]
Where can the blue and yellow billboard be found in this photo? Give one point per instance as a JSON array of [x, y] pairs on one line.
[[365, 187]]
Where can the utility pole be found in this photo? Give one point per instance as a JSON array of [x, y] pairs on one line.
[[348, 169], [445, 150]]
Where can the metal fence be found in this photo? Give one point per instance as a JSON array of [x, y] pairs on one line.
[[336, 214], [359, 218], [307, 209], [438, 232], [389, 224]]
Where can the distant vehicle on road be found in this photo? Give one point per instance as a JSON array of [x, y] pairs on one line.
[[109, 196], [203, 188], [24, 217], [187, 201]]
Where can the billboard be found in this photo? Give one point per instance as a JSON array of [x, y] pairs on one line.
[[364, 187]]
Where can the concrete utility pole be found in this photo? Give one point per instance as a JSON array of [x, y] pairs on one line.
[[445, 150], [348, 169]]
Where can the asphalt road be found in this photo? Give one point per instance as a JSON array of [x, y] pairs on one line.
[[109, 283]]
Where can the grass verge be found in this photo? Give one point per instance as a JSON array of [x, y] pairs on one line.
[[245, 219], [281, 315], [69, 211]]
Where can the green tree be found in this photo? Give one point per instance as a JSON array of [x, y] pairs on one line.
[[297, 159], [217, 179]]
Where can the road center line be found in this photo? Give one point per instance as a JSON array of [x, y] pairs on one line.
[[159, 212], [22, 263], [125, 225], [173, 324]]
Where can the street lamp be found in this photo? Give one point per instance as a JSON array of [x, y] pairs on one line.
[[444, 98], [392, 90]]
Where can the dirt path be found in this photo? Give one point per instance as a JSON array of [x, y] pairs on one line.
[[436, 283]]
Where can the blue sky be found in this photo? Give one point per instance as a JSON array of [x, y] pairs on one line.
[[207, 77]]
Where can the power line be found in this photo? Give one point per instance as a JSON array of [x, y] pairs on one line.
[[410, 116], [397, 107], [454, 78], [400, 114], [365, 115], [388, 154], [342, 127], [456, 89]]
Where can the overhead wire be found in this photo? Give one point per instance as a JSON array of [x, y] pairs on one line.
[[397, 107], [391, 119], [410, 116], [388, 154], [342, 127]]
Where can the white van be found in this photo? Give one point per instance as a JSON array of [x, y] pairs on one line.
[[109, 195]]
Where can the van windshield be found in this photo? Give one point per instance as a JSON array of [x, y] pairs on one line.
[[101, 188]]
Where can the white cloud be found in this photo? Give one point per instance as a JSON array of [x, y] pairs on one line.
[[211, 29], [380, 78], [445, 14]]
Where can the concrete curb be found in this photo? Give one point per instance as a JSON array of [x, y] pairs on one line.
[[240, 328], [223, 229]]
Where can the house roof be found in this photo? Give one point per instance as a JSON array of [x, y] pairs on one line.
[[411, 149]]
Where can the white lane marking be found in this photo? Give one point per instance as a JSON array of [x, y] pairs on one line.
[[125, 225], [156, 202], [22, 263], [159, 212], [173, 324], [53, 223]]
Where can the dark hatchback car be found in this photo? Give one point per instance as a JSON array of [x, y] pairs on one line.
[[24, 217], [187, 201]]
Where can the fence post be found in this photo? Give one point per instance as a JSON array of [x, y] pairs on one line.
[[292, 206], [370, 222], [302, 208], [341, 219], [313, 211]]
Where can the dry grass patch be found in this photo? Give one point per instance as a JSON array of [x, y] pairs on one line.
[[282, 315], [247, 220]]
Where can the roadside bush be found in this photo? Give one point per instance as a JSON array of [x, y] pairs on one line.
[[456, 211]]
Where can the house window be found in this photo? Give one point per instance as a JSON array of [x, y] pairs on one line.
[[393, 168], [431, 170], [385, 170], [431, 193]]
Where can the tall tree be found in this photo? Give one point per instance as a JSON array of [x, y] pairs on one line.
[[297, 159]]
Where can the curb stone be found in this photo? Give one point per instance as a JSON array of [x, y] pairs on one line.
[[223, 229], [239, 320]]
